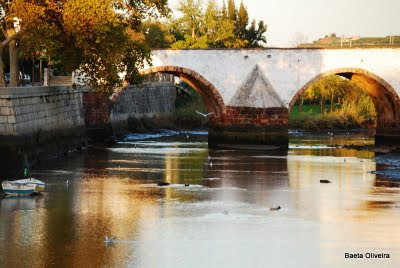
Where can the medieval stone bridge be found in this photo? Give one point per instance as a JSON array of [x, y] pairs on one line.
[[252, 91]]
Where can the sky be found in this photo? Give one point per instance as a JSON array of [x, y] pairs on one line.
[[316, 18]]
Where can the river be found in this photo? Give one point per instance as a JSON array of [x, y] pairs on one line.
[[222, 219]]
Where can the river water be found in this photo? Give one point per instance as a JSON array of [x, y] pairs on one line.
[[222, 219]]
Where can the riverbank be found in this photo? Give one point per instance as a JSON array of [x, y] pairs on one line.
[[328, 122], [311, 118], [14, 155]]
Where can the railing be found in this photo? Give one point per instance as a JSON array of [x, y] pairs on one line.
[[50, 80]]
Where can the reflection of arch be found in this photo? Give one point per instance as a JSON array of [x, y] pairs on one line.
[[384, 97], [210, 94]]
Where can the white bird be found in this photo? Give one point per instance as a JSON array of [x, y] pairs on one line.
[[66, 182], [211, 164], [109, 240], [204, 115]]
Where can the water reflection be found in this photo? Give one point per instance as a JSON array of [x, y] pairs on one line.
[[222, 219]]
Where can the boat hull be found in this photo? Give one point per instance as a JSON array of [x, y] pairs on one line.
[[23, 187]]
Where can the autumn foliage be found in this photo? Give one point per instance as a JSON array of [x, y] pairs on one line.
[[99, 38]]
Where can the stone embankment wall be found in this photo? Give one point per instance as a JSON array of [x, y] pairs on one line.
[[40, 113], [32, 115], [147, 100]]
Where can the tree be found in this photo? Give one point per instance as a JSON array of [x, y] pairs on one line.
[[215, 27], [224, 11], [333, 88], [243, 21], [255, 35], [232, 12], [108, 40], [192, 20], [100, 38], [17, 19], [157, 34]]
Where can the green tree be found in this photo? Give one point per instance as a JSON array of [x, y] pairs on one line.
[[243, 21], [192, 20], [255, 35], [214, 27], [157, 34]]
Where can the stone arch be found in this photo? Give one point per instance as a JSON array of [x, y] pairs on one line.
[[382, 94], [208, 91]]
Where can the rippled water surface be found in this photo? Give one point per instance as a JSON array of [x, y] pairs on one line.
[[222, 219]]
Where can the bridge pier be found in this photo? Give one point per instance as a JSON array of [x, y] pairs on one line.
[[251, 128], [96, 110], [387, 137]]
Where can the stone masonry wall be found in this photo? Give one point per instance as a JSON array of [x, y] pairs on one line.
[[146, 100], [253, 117], [249, 125], [47, 110]]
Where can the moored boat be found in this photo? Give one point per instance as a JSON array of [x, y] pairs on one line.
[[23, 187]]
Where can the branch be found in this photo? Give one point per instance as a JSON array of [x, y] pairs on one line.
[[9, 39]]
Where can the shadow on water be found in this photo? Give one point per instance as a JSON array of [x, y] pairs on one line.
[[13, 154]]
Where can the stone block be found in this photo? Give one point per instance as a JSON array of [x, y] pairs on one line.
[[11, 119], [5, 111], [9, 129], [3, 103]]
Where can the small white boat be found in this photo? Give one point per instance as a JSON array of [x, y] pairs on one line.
[[23, 187]]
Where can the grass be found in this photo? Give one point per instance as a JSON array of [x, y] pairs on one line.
[[308, 109], [312, 119]]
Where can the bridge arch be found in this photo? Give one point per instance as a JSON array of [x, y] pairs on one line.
[[208, 91], [382, 94]]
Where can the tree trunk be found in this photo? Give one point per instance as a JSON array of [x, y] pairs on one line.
[[33, 72], [301, 104], [321, 101], [332, 102], [41, 72], [2, 82], [14, 70]]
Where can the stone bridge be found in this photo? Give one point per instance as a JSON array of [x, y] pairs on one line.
[[251, 91]]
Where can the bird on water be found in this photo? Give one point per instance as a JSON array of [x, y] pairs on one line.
[[109, 240], [275, 208], [204, 115]]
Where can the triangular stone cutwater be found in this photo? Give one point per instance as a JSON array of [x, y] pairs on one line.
[[257, 91]]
